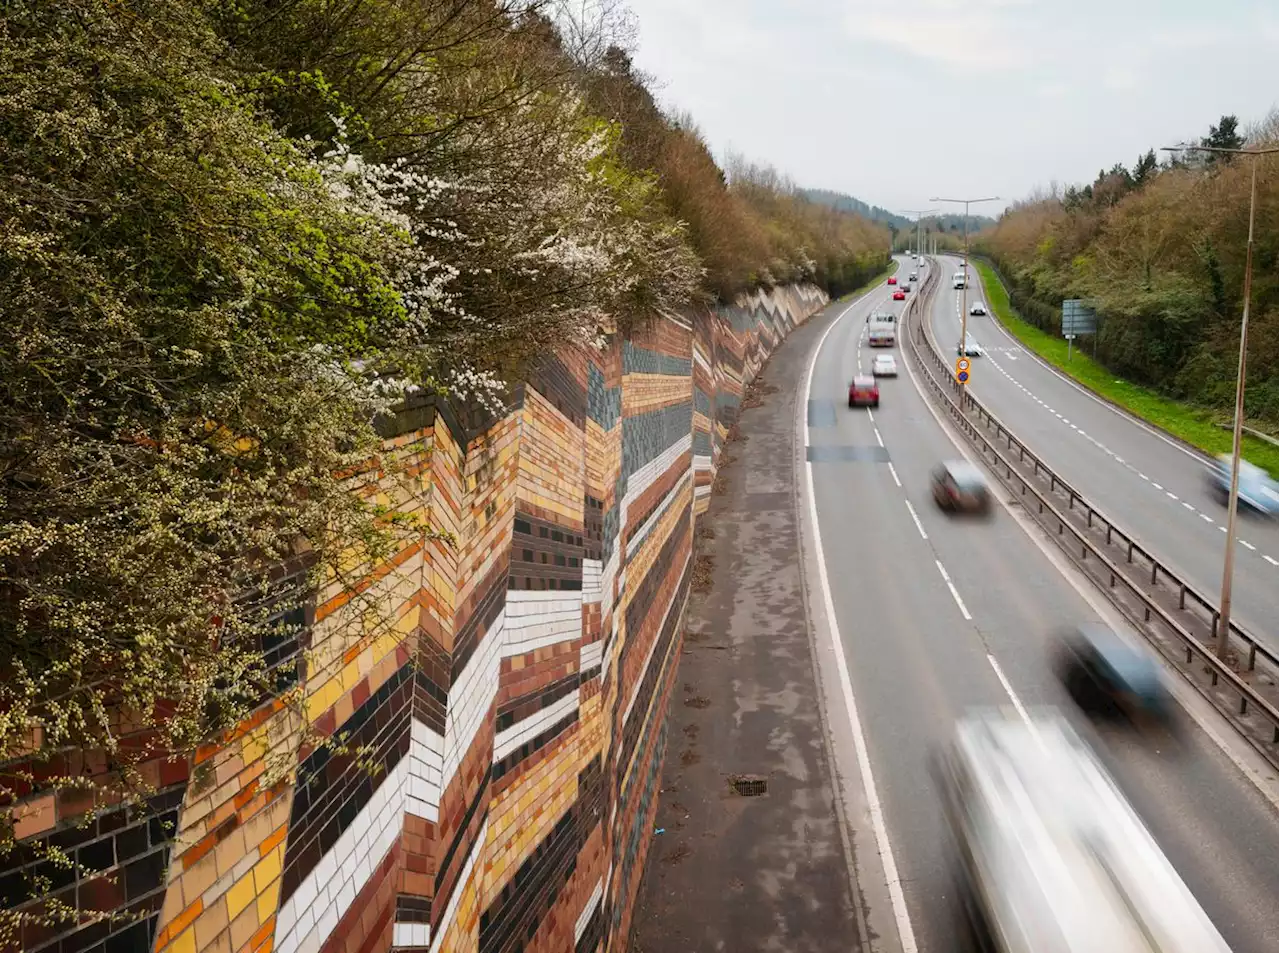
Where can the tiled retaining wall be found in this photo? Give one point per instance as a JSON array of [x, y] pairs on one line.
[[515, 709]]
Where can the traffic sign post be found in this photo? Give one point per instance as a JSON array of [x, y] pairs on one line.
[[962, 370]]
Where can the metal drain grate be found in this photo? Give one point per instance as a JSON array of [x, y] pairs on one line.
[[749, 787]]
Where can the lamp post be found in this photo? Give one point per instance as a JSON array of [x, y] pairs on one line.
[[1223, 633], [917, 213], [964, 285]]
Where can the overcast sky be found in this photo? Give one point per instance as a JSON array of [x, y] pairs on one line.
[[897, 102]]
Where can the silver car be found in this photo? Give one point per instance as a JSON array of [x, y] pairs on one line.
[[884, 366], [971, 347], [1256, 488], [1053, 857], [977, 308]]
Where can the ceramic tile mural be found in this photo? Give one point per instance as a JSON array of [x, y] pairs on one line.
[[514, 706]]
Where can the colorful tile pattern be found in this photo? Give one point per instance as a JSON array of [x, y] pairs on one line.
[[511, 694]]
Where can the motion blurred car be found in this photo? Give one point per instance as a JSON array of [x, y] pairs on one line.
[[864, 391], [977, 308], [959, 486], [1052, 857], [893, 280], [1256, 488], [904, 288], [899, 295], [971, 347], [1107, 672], [912, 277], [884, 366]]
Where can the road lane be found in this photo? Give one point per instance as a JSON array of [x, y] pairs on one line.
[[1152, 487], [916, 663]]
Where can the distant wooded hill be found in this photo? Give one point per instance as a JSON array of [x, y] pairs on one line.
[[847, 203]]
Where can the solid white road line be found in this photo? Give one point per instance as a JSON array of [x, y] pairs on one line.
[[894, 473], [964, 611], [906, 935]]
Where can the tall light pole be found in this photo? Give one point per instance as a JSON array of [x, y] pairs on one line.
[[917, 213], [1223, 633], [964, 285]]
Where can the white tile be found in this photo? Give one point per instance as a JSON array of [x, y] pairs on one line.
[[642, 534], [470, 698], [411, 934], [451, 908], [589, 655], [328, 891], [588, 909], [512, 738]]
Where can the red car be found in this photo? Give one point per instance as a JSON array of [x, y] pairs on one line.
[[864, 391], [899, 295], [893, 281]]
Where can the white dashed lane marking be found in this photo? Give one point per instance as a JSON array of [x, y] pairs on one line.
[[1107, 450]]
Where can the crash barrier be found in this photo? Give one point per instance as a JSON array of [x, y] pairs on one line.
[[1176, 617]]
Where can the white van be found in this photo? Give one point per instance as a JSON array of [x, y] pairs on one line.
[[959, 280]]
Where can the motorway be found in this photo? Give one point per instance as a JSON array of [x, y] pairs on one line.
[[936, 614], [1152, 486]]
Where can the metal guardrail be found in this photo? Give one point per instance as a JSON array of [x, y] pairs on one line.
[[1176, 616]]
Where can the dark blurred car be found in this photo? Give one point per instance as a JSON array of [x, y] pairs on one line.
[[899, 295], [1107, 672], [960, 486], [904, 288], [1257, 490], [912, 277], [864, 391]]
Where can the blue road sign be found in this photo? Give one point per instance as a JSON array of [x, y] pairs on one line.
[[963, 377]]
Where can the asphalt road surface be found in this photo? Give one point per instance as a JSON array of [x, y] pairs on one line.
[[1152, 486], [938, 614]]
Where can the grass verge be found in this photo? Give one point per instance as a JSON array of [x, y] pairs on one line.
[[1192, 424]]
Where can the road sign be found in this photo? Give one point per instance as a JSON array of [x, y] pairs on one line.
[[962, 364], [962, 377], [1078, 318]]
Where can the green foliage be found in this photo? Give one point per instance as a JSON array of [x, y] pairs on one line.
[[1162, 252], [1197, 426], [182, 296], [232, 233]]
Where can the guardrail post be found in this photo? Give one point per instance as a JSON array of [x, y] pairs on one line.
[[1155, 567], [1130, 551], [1182, 597], [1253, 656], [1089, 516], [1108, 534]]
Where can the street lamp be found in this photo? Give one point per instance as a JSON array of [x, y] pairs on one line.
[[1223, 632], [964, 285], [917, 213]]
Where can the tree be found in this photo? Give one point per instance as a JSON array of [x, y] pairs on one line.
[[1145, 167], [1223, 136]]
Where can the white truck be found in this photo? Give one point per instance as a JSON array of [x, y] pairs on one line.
[[882, 329], [959, 280]]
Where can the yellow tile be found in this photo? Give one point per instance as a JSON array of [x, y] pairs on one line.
[[239, 896], [267, 870], [268, 901], [186, 943]]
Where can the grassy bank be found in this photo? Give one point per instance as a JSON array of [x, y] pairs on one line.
[[1197, 427]]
